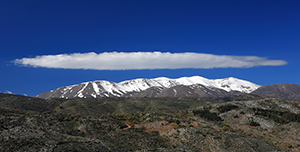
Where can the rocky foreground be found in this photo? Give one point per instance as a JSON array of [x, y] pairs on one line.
[[237, 123]]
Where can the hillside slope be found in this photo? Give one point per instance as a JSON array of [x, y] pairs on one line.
[[234, 123], [284, 91], [11, 101]]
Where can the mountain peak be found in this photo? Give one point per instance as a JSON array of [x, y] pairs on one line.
[[101, 88]]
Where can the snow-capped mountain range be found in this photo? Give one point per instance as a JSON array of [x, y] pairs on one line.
[[136, 87]]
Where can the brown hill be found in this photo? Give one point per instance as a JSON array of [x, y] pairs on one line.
[[284, 91], [24, 103]]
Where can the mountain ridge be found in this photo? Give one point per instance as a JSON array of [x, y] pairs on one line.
[[102, 88]]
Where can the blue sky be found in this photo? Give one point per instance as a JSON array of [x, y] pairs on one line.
[[35, 34]]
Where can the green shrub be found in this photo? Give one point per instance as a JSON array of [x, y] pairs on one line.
[[176, 127], [227, 107], [207, 115], [225, 127], [162, 141], [278, 116], [170, 120], [252, 123], [198, 132]]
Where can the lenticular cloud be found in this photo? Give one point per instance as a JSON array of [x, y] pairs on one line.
[[145, 60]]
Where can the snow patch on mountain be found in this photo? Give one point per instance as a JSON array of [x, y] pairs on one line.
[[107, 88]]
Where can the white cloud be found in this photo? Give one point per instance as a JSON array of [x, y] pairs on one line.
[[145, 60]]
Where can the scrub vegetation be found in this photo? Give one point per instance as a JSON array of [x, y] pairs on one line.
[[235, 123]]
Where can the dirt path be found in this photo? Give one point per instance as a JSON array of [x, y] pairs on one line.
[[128, 126]]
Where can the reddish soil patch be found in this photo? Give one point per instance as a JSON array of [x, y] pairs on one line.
[[194, 125], [162, 128]]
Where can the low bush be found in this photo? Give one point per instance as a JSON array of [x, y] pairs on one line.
[[207, 115], [227, 107], [278, 116]]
